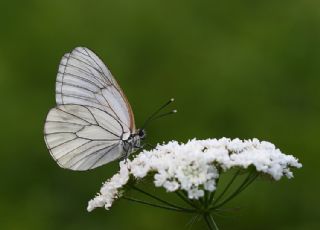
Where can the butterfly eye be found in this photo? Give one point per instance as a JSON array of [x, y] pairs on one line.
[[142, 133]]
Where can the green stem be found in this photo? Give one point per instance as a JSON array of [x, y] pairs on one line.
[[157, 198], [182, 197], [227, 187], [157, 205], [245, 184], [214, 223], [196, 203], [248, 183], [211, 196], [206, 199], [210, 221]]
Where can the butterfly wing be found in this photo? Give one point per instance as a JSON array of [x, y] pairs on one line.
[[82, 137], [92, 116], [83, 79]]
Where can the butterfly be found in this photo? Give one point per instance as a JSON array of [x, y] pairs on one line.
[[93, 123]]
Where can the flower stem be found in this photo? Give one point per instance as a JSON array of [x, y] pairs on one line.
[[211, 195], [185, 199], [249, 182], [206, 198], [214, 223], [157, 205], [250, 178], [156, 198], [227, 187], [210, 221], [207, 220]]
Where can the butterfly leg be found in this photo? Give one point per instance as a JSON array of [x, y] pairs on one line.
[[126, 155]]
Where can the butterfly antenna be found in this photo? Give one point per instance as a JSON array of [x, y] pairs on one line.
[[164, 114], [154, 114]]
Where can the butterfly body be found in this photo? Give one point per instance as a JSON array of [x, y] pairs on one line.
[[133, 143], [93, 122]]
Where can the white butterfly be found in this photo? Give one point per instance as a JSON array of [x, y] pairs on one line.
[[93, 122]]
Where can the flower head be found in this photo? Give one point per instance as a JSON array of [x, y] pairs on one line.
[[195, 166]]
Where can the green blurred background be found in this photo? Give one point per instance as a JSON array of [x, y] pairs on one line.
[[236, 68]]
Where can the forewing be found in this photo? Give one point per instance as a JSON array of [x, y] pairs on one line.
[[82, 137], [83, 79]]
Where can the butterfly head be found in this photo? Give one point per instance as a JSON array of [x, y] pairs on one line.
[[142, 134]]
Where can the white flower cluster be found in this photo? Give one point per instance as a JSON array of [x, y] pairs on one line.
[[195, 166]]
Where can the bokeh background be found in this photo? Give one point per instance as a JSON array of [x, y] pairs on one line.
[[236, 68]]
